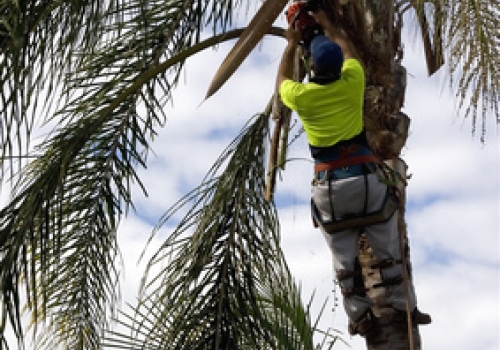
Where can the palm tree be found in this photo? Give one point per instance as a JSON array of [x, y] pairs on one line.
[[98, 72]]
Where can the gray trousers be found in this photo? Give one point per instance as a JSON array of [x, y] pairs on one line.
[[347, 196]]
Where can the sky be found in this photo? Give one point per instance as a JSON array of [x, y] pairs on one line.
[[452, 197]]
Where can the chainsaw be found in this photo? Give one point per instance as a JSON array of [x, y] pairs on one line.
[[298, 15]]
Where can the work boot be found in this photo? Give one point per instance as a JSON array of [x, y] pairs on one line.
[[420, 317], [363, 325]]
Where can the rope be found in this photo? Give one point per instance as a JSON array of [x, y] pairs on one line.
[[406, 288]]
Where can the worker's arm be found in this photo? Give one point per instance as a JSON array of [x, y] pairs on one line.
[[335, 34], [285, 70]]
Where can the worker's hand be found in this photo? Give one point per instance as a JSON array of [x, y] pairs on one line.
[[292, 34], [321, 18]]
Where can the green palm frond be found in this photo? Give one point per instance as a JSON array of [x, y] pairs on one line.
[[58, 234], [469, 31], [45, 48], [220, 280], [473, 37], [61, 228], [37, 39], [233, 245], [289, 320]]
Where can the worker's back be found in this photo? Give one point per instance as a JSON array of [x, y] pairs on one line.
[[332, 111]]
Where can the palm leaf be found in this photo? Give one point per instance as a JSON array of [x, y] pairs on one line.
[[473, 41], [469, 36], [68, 203], [35, 57], [226, 284], [433, 48]]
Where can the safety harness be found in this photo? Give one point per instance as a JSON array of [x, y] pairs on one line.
[[347, 158]]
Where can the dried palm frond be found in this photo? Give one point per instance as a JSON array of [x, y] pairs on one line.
[[253, 33]]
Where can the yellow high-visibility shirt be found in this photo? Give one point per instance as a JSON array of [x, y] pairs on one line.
[[330, 113]]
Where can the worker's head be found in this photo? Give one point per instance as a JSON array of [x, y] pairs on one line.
[[327, 57]]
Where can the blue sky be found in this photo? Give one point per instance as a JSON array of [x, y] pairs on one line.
[[453, 195]]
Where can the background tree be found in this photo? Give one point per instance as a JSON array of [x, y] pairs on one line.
[[100, 71]]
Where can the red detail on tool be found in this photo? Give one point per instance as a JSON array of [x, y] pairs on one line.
[[298, 13]]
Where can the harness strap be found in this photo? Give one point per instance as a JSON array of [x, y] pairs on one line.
[[391, 204], [343, 162], [386, 263], [349, 292], [345, 274], [392, 281]]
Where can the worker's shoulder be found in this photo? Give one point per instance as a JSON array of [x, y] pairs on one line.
[[352, 70], [289, 85], [353, 63]]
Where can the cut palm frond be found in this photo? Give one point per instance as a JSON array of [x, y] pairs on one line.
[[253, 33]]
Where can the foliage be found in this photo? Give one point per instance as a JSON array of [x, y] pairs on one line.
[[58, 234], [473, 44], [466, 34], [220, 281]]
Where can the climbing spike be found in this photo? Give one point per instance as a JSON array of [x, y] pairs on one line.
[[259, 25]]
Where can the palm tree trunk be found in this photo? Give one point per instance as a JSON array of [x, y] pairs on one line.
[[391, 334], [388, 129]]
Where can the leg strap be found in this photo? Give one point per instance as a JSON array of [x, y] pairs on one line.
[[385, 264], [357, 288], [345, 274], [364, 325], [388, 281], [349, 292], [393, 281]]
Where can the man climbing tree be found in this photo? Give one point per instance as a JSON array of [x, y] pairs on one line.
[[347, 183]]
